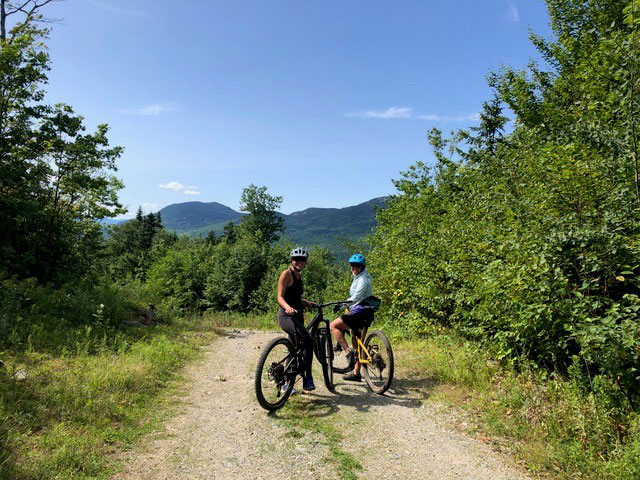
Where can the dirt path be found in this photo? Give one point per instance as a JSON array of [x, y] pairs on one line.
[[222, 433]]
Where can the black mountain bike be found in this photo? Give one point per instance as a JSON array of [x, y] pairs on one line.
[[281, 362]]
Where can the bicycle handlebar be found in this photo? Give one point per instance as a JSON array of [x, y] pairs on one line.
[[322, 305]]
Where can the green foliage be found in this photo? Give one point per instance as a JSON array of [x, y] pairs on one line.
[[55, 180], [529, 241], [177, 280], [74, 408], [133, 246], [238, 271], [578, 428], [51, 319], [263, 221]]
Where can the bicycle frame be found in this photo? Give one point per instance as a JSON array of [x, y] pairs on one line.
[[360, 348], [317, 319]]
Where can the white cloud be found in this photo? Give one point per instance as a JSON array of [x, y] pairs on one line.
[[391, 112], [112, 8], [514, 15], [178, 187], [173, 185], [150, 207], [407, 112], [432, 117], [153, 110], [146, 208]]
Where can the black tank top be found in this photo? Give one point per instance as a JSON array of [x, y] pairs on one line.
[[293, 293]]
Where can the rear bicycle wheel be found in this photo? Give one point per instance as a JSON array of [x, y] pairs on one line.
[[327, 366], [339, 362], [275, 374], [378, 373]]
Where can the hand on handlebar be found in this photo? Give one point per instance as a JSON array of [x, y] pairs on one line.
[[341, 306], [308, 304]]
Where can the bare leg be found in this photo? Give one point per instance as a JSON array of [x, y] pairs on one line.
[[337, 330]]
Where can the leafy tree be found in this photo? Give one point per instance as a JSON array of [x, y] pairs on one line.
[[229, 232], [262, 221], [177, 280], [528, 241], [489, 134], [55, 180], [130, 245], [212, 238], [29, 10], [236, 273]]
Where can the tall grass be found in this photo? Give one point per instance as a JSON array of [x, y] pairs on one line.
[[76, 384], [565, 427]]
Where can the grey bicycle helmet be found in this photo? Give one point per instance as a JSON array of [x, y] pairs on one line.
[[299, 252]]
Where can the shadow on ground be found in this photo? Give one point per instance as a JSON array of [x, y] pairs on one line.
[[405, 392]]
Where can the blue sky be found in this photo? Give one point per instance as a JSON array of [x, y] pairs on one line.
[[324, 102]]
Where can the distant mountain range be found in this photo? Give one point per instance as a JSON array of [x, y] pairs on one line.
[[198, 217], [314, 226]]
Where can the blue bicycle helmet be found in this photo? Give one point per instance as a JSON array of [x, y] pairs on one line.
[[356, 259]]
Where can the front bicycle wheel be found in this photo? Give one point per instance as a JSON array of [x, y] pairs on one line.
[[378, 373], [275, 374], [327, 366], [340, 363]]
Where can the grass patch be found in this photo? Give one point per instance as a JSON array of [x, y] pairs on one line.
[[65, 411], [561, 427], [301, 414], [238, 320]]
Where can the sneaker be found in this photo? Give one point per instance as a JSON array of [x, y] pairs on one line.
[[284, 387], [352, 377], [307, 383]]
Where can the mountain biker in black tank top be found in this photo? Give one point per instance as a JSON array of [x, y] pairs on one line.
[[293, 293], [290, 310]]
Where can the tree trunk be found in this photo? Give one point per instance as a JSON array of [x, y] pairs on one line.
[[3, 21]]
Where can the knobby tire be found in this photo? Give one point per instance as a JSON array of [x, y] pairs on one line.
[[370, 371], [327, 361], [261, 387]]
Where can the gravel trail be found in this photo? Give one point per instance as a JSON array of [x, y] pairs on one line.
[[222, 433]]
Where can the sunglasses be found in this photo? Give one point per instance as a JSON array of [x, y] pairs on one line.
[[355, 265], [299, 259]]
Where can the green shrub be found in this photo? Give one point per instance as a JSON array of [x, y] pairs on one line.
[[177, 280]]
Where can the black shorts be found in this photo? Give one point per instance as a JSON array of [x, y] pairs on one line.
[[358, 320]]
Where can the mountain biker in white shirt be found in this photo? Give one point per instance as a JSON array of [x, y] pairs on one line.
[[358, 316]]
